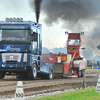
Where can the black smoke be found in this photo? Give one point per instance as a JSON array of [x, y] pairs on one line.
[[37, 7], [70, 11], [76, 16]]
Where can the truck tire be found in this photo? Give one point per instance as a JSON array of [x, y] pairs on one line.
[[82, 73], [79, 73], [32, 73], [2, 75], [50, 74]]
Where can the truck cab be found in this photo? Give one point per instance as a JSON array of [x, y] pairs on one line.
[[74, 44], [20, 48], [74, 49]]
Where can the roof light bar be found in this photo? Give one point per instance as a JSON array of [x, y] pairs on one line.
[[14, 19]]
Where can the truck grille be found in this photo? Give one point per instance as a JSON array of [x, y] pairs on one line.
[[11, 62], [11, 57]]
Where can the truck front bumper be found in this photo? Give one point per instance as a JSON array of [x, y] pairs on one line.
[[13, 69]]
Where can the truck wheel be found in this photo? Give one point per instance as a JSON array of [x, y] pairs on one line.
[[51, 74], [32, 73], [48, 76], [82, 73], [79, 73], [2, 75]]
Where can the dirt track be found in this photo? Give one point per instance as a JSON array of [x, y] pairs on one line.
[[8, 84]]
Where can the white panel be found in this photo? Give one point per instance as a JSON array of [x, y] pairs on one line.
[[59, 60], [25, 57]]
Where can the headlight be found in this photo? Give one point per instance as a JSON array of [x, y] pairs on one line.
[[21, 19], [14, 19], [18, 19], [3, 65], [7, 19], [11, 19]]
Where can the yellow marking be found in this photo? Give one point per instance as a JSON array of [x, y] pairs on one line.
[[62, 57], [67, 58]]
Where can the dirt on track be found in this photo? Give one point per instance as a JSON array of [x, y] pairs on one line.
[[31, 87]]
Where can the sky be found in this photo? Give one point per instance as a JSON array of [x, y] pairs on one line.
[[21, 8], [58, 16]]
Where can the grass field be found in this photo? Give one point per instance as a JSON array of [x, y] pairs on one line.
[[86, 94], [88, 69]]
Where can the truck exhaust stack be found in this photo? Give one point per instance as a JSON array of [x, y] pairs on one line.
[[37, 9]]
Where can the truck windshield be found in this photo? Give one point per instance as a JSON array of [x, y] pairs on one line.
[[15, 36], [73, 42]]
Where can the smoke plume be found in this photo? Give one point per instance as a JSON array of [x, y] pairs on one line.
[[76, 16], [70, 11], [37, 4]]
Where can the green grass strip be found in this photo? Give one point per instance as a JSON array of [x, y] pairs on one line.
[[86, 94], [92, 69]]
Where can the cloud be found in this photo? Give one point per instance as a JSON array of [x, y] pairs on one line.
[[71, 11], [76, 16]]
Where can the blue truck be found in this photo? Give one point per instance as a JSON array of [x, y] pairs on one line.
[[21, 49]]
